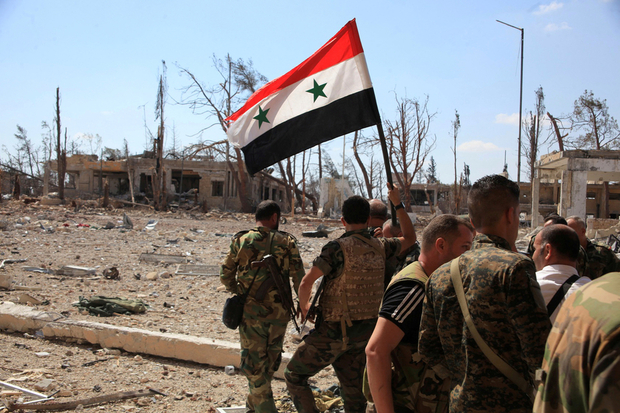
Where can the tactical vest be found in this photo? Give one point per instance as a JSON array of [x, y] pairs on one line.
[[356, 293]]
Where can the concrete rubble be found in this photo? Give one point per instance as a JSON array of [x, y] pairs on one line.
[[209, 351]]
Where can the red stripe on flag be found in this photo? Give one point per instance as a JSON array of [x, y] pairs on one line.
[[344, 45]]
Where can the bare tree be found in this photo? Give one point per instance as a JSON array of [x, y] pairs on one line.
[[238, 79], [599, 130], [408, 141], [159, 176], [532, 129], [456, 125], [556, 127], [61, 151]]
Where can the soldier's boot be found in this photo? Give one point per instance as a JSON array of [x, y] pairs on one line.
[[303, 399]]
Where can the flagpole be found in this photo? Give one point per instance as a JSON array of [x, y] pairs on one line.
[[344, 141], [386, 160]]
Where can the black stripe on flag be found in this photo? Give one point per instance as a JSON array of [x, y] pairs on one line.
[[346, 115]]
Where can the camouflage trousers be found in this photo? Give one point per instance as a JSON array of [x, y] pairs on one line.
[[325, 346], [415, 386], [261, 354]]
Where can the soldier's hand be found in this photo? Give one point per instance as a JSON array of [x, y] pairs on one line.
[[378, 232], [393, 194]]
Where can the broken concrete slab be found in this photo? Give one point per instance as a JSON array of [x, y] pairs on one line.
[[202, 350], [195, 269], [168, 259], [75, 271]]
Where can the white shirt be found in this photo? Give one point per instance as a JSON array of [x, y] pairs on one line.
[[551, 279]]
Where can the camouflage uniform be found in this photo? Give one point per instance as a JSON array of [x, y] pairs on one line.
[[264, 322], [582, 258], [601, 260], [415, 387], [506, 304], [331, 343], [582, 356]]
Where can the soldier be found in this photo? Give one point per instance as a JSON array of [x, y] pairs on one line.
[[378, 216], [395, 264], [601, 260], [582, 259], [264, 320], [409, 386], [505, 304], [556, 249], [353, 267], [581, 367]]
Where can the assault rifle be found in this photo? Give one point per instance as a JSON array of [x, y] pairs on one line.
[[313, 306], [284, 287]]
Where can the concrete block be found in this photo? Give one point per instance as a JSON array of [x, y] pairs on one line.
[[133, 340]]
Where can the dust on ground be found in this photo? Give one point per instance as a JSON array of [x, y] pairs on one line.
[[50, 237]]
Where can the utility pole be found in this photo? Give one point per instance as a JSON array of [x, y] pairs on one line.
[[520, 99]]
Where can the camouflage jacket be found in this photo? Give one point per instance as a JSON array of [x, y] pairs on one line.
[[582, 356], [601, 260], [253, 245], [506, 304], [331, 259]]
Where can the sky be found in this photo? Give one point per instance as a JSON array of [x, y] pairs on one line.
[[105, 56]]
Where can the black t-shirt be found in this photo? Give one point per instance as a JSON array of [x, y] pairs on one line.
[[402, 305]]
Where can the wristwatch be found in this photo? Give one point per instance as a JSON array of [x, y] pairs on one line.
[[399, 206]]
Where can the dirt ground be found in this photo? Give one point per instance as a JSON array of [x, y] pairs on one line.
[[49, 237]]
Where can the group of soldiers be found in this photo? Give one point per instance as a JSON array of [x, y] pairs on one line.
[[425, 326]]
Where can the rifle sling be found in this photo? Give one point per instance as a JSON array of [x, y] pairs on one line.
[[496, 360]]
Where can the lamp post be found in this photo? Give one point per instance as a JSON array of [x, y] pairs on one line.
[[520, 99]]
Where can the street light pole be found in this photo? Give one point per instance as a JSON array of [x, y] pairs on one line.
[[520, 99]]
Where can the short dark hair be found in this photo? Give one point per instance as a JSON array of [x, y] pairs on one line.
[[555, 219], [563, 238], [266, 209], [489, 197], [443, 226], [356, 210]]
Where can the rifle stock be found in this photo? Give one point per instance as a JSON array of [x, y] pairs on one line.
[[284, 288]]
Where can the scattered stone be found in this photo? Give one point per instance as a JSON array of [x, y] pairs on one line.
[[45, 385], [42, 354], [151, 276]]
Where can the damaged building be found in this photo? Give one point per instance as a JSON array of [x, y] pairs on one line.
[[205, 181], [577, 182]]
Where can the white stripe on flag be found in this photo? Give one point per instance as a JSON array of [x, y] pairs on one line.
[[343, 79]]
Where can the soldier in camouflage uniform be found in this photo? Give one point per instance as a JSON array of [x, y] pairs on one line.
[[504, 301], [353, 266], [264, 320], [581, 366], [601, 260], [409, 385]]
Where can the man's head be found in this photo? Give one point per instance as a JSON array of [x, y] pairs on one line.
[[445, 238], [556, 244], [378, 213], [579, 226], [553, 219], [268, 214], [493, 203], [391, 230], [356, 210]]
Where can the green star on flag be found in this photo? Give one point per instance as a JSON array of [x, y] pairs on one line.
[[317, 90], [261, 117]]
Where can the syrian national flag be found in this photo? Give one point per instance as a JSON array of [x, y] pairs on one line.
[[328, 95]]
